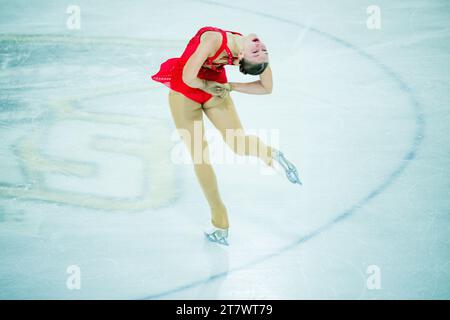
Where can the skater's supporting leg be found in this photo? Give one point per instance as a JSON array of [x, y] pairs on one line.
[[187, 115], [226, 119]]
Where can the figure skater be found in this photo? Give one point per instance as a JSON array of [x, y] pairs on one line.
[[198, 83]]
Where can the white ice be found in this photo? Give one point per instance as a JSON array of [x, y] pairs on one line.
[[86, 177]]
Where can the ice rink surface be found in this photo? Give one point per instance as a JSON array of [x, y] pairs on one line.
[[87, 181]]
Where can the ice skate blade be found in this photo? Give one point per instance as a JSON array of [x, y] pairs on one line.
[[217, 238], [289, 168]]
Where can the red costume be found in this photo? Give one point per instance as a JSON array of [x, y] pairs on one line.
[[171, 71]]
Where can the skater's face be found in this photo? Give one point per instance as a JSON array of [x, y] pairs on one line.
[[254, 50]]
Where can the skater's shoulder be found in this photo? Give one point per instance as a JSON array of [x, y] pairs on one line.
[[212, 37]]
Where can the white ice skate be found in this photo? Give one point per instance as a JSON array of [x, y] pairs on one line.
[[217, 235], [289, 168]]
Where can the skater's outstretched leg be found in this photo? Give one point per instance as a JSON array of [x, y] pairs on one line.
[[188, 118], [226, 119]]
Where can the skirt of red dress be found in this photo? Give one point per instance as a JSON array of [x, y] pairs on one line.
[[171, 72]]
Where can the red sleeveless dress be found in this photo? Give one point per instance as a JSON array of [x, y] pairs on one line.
[[171, 71]]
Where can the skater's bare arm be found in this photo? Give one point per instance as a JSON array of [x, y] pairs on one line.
[[262, 86], [206, 47]]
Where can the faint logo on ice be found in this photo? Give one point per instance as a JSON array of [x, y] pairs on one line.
[[87, 143], [373, 22], [74, 20], [74, 280], [373, 281], [97, 160]]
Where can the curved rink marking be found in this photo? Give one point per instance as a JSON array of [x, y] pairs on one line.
[[345, 214]]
